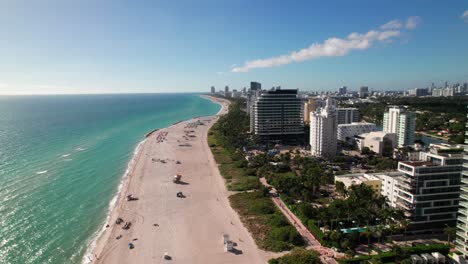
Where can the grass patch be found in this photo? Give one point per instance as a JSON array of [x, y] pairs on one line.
[[237, 176], [268, 226]]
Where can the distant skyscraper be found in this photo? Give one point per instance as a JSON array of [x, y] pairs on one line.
[[255, 86], [254, 91], [343, 90], [213, 90], [363, 91], [323, 127], [226, 91], [401, 122]]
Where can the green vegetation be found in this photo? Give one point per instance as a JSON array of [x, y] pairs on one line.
[[268, 226], [303, 181], [433, 113], [398, 255], [361, 208], [298, 256], [378, 163], [226, 139]]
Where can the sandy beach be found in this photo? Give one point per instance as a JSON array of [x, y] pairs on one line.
[[189, 229]]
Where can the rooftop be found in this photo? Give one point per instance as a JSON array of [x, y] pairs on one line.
[[419, 163]]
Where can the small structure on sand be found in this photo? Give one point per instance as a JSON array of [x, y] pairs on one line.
[[177, 178]]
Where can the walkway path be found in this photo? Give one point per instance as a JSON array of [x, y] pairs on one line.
[[327, 254]]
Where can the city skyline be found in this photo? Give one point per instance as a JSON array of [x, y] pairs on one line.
[[65, 47]]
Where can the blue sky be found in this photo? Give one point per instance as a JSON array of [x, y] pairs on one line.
[[103, 46]]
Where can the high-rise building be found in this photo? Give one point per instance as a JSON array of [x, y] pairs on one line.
[[277, 112], [213, 90], [253, 92], [418, 92], [428, 191], [311, 106], [343, 90], [323, 126], [462, 223], [347, 115], [363, 91], [401, 122], [255, 86]]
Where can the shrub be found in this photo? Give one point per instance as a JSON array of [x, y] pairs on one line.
[[277, 220], [261, 207], [298, 256]]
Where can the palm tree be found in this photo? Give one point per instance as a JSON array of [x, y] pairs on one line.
[[404, 224], [450, 232]]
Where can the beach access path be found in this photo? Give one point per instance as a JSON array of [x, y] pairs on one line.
[[327, 255], [189, 229]]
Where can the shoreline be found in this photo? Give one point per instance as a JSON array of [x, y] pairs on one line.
[[88, 257], [99, 237], [206, 206]]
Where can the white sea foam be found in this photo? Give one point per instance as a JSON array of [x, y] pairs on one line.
[[88, 256], [80, 149], [65, 155], [41, 172]]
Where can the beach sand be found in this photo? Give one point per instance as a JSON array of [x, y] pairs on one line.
[[189, 229]]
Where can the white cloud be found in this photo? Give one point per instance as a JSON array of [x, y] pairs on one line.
[[394, 24], [465, 16], [333, 47], [413, 22]]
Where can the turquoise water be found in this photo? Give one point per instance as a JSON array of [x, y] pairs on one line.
[[62, 159]]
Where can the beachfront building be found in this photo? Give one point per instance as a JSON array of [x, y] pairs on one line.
[[429, 190], [401, 122], [348, 132], [377, 141], [323, 125], [347, 115], [254, 91], [426, 190], [277, 113], [311, 106], [462, 223]]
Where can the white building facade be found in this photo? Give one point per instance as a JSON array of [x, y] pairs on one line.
[[323, 129], [347, 132], [401, 122]]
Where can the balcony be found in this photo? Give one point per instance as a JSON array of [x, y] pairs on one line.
[[463, 220], [464, 204], [462, 234], [405, 205], [464, 196]]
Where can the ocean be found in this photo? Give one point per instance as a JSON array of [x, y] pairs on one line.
[[62, 159]]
